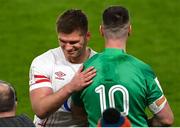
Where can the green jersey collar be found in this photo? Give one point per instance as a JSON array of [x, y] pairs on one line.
[[114, 51]]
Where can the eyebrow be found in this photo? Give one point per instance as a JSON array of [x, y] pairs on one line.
[[71, 42]]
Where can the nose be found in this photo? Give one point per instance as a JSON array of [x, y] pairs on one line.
[[68, 47]]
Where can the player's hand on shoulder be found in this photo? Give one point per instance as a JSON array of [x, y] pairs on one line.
[[82, 78]]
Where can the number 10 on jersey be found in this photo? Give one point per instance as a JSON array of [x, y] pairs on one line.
[[101, 90]]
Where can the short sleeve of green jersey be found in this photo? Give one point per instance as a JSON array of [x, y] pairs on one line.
[[154, 90], [76, 98]]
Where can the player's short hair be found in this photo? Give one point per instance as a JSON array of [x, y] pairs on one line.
[[72, 20], [7, 96], [115, 21]]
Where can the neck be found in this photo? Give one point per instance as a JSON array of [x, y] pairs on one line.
[[116, 43], [7, 114]]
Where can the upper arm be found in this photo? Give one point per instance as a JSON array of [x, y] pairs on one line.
[[39, 76], [157, 102], [39, 81], [164, 117], [37, 94], [165, 113], [40, 85]]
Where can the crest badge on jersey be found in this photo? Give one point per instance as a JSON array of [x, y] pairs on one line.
[[60, 75]]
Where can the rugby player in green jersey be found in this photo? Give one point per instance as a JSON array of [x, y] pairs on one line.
[[122, 81]]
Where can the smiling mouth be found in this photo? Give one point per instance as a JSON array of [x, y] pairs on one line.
[[71, 53]]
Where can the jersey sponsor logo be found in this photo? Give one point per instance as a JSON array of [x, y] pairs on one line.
[[60, 75]]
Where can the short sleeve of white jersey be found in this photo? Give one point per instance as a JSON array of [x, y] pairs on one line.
[[40, 71]]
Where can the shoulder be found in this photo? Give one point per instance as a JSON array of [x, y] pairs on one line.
[[16, 121], [25, 120], [44, 62], [48, 55], [145, 68], [92, 59]]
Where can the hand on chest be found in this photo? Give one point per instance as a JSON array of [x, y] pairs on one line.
[[62, 74]]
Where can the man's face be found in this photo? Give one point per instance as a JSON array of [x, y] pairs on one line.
[[73, 45]]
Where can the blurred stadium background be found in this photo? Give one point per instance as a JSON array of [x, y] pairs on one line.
[[27, 29]]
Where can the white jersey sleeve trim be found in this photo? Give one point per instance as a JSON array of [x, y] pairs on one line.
[[157, 82], [40, 85]]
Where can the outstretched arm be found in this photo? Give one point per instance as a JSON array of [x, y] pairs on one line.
[[44, 101]]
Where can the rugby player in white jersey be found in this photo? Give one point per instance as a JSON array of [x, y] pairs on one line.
[[57, 73]]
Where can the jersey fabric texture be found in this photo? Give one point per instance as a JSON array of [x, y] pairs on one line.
[[52, 70], [16, 121], [122, 81]]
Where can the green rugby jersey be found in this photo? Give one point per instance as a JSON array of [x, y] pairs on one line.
[[122, 81]]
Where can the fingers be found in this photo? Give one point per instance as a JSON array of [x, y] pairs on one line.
[[87, 83], [89, 69], [90, 74], [89, 78], [83, 78]]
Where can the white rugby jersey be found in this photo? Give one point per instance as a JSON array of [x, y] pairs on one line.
[[51, 69]]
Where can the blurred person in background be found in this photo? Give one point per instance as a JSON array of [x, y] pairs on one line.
[[8, 104]]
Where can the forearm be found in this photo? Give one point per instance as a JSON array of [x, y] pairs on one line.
[[153, 122], [163, 118], [156, 122], [48, 104]]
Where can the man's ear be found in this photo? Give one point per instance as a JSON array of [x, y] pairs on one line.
[[101, 30], [129, 30], [15, 106], [88, 36]]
